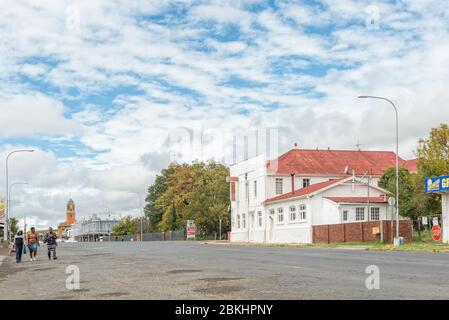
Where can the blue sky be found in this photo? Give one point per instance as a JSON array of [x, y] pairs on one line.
[[98, 87]]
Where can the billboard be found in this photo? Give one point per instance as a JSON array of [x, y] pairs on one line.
[[437, 184]]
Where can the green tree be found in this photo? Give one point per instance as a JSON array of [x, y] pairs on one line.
[[13, 225], [126, 226], [432, 160], [152, 212], [197, 191], [408, 192]]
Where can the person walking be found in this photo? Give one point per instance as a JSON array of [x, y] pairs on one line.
[[33, 243], [19, 243], [50, 240]]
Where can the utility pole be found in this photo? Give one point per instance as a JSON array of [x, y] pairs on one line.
[[396, 242]]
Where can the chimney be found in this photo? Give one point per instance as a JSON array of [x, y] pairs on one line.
[[296, 146], [293, 182]]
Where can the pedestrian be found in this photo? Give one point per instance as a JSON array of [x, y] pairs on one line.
[[19, 243], [33, 243], [50, 240]]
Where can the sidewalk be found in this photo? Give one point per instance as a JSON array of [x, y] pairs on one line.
[[4, 252]]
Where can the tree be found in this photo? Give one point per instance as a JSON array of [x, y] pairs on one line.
[[13, 225], [197, 191], [126, 226], [408, 192], [432, 160], [152, 212]]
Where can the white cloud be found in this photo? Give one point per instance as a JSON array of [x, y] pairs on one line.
[[28, 115]]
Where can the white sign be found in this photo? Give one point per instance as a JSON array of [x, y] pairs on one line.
[[435, 221], [424, 221]]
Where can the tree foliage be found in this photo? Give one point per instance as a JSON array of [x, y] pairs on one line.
[[407, 190], [126, 226], [13, 225], [432, 160], [197, 191], [152, 212]]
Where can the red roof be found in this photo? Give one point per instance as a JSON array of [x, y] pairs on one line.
[[357, 199], [307, 190], [335, 162]]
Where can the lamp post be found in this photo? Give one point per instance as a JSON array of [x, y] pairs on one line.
[[397, 159], [141, 212], [7, 187]]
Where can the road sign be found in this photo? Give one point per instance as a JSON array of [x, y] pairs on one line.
[[436, 233], [424, 221], [391, 201], [435, 221], [191, 229]]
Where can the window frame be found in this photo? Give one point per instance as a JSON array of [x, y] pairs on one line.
[[304, 184], [344, 215], [377, 213], [357, 213], [280, 215], [279, 182], [259, 218], [294, 213], [302, 212]]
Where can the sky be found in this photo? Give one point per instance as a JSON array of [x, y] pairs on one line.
[[108, 92]]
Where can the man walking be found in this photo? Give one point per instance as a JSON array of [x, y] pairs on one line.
[[50, 239], [33, 243]]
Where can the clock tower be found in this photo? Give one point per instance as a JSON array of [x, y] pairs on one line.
[[70, 214]]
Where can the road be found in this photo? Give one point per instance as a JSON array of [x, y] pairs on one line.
[[194, 270]]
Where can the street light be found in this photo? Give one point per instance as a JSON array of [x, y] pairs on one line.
[[142, 215], [397, 158], [7, 187]]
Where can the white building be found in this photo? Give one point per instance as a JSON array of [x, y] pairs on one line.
[[278, 201], [92, 228]]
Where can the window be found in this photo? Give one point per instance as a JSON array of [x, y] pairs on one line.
[[232, 191], [238, 221], [305, 183], [359, 214], [243, 221], [278, 185], [259, 218], [375, 213], [292, 213], [272, 212], [302, 212], [255, 188], [246, 191], [345, 215], [280, 215]]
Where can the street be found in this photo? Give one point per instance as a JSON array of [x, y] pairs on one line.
[[196, 270]]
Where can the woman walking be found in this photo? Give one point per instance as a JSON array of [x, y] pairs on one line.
[[50, 239], [33, 243], [19, 243]]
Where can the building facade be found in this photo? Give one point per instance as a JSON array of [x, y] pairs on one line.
[[279, 201], [93, 228]]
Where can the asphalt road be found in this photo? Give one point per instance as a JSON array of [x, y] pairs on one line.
[[194, 270]]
